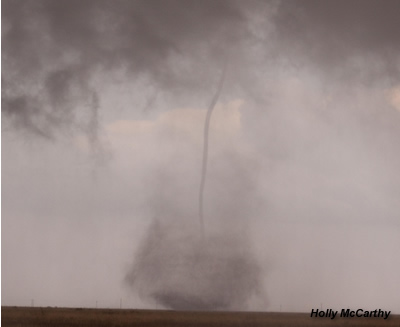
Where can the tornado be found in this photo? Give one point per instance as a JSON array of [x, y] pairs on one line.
[[177, 268], [205, 148]]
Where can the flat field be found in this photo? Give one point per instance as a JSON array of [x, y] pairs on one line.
[[27, 316]]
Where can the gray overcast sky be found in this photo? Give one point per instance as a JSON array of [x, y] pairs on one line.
[[103, 106]]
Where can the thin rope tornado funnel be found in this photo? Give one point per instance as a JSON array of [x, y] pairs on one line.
[[205, 149]]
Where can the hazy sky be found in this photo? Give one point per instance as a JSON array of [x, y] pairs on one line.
[[103, 106]]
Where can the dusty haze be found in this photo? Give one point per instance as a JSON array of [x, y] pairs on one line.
[[103, 108]]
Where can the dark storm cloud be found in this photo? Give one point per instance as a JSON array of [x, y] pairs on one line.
[[51, 50], [342, 35]]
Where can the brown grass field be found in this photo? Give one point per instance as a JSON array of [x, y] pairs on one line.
[[27, 316]]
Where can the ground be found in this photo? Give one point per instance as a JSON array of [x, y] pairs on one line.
[[49, 316]]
